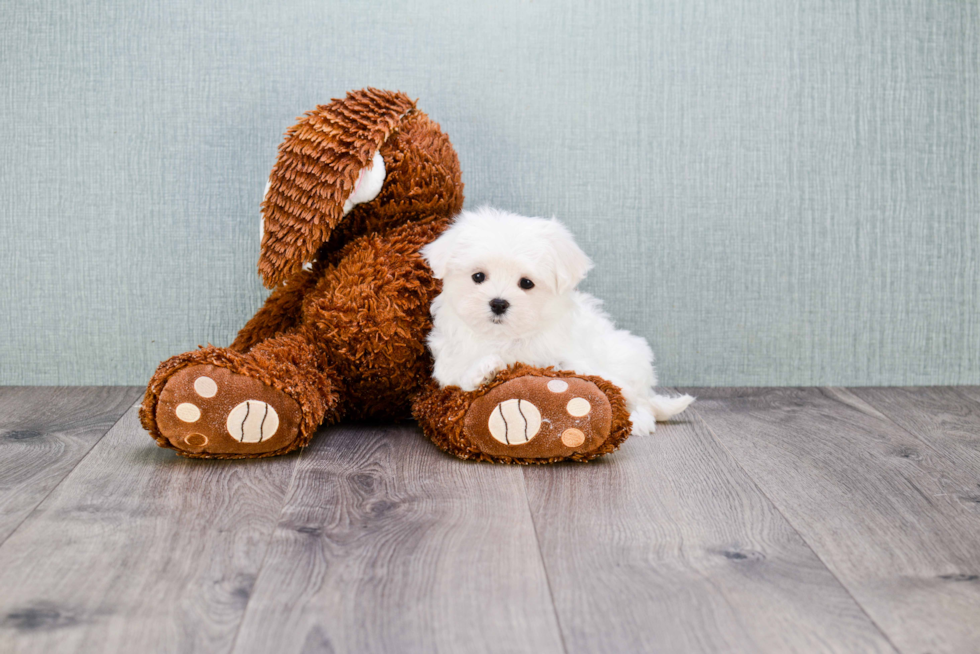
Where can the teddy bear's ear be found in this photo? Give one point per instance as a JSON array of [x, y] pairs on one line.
[[570, 263], [316, 173]]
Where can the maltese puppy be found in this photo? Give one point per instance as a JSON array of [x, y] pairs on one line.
[[509, 296]]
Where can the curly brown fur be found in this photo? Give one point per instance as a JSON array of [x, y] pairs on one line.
[[441, 412], [368, 314]]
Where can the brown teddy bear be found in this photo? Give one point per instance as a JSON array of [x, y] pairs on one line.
[[358, 187]]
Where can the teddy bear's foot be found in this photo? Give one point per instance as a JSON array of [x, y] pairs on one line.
[[532, 419], [205, 410]]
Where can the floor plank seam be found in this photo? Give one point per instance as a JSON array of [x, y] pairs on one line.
[[918, 437], [69, 473], [891, 421], [544, 566], [268, 547], [792, 526]]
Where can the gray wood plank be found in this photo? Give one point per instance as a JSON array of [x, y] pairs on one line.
[[973, 392], [388, 545], [945, 418], [44, 432], [881, 509], [138, 550], [668, 546]]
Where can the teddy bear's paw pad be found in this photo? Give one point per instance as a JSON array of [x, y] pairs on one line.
[[540, 418], [207, 409]]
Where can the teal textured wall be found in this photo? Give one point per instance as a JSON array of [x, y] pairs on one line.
[[774, 191]]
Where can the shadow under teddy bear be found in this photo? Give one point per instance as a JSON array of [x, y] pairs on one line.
[[343, 333]]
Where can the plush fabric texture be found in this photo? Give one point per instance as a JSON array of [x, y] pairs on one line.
[[345, 339], [297, 373], [212, 421], [442, 412], [525, 419]]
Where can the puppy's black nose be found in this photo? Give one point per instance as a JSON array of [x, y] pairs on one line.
[[499, 306]]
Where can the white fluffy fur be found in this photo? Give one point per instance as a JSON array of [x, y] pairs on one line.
[[551, 324]]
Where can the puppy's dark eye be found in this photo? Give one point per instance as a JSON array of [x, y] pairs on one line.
[[526, 284], [479, 278]]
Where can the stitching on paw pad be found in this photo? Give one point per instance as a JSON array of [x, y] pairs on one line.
[[196, 440], [514, 422], [252, 421]]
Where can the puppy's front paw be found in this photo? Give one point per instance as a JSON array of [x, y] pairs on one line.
[[484, 370]]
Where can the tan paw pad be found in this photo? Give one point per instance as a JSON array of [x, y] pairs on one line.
[[205, 387], [572, 437], [196, 441], [514, 422], [558, 386], [252, 421], [188, 412], [578, 407]]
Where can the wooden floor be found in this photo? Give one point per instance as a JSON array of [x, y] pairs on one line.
[[765, 520]]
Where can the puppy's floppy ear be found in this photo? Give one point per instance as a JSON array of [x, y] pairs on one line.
[[318, 164], [570, 263], [439, 253]]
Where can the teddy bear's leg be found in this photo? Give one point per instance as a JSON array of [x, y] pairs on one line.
[[526, 415], [221, 403], [280, 313]]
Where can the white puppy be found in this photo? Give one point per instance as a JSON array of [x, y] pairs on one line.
[[509, 296]]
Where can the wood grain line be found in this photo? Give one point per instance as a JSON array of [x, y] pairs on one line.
[[944, 418], [388, 545], [882, 509]]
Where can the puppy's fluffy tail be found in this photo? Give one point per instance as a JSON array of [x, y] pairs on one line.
[[664, 408]]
